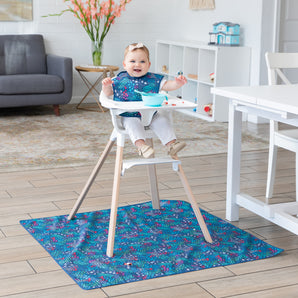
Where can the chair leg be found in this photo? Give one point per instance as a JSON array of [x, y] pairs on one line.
[[193, 203], [153, 181], [91, 179], [114, 205], [56, 110], [271, 171]]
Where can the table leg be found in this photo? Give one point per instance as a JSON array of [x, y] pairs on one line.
[[234, 158], [111, 73], [96, 96], [91, 89]]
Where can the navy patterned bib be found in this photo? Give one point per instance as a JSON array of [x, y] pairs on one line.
[[124, 86]]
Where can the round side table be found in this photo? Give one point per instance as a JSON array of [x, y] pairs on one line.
[[103, 72]]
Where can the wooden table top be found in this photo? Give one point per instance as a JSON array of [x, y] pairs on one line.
[[101, 68]]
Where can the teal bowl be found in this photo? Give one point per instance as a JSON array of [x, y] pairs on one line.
[[153, 99]]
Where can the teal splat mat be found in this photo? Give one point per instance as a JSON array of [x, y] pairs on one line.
[[148, 244]]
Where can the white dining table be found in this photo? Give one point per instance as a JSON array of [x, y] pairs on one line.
[[279, 103]]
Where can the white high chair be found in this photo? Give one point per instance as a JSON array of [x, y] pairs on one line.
[[119, 135]]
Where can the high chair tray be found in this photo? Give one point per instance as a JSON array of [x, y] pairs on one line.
[[171, 103]]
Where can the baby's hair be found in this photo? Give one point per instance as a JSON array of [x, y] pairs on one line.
[[136, 46]]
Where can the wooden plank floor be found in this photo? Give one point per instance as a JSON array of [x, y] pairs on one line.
[[26, 270]]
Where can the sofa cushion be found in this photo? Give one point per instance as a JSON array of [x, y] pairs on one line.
[[31, 84], [22, 54]]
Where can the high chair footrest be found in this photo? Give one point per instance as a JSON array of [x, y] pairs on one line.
[[149, 161]]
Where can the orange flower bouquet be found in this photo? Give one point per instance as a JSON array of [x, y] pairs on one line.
[[96, 17]]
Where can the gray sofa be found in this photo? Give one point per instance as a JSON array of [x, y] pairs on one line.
[[28, 76]]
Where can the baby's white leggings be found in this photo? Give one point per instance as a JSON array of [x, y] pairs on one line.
[[160, 125]]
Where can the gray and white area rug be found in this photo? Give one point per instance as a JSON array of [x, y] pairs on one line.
[[34, 138]]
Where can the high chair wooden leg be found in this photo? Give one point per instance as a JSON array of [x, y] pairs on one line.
[[114, 205], [193, 203], [153, 181], [91, 179]]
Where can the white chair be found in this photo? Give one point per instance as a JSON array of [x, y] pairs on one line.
[[277, 63], [119, 134]]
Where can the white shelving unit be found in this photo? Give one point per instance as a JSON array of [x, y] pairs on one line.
[[230, 65]]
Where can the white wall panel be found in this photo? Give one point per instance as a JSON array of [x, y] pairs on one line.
[[144, 21]]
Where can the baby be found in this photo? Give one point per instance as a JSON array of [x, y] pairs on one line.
[[136, 77]]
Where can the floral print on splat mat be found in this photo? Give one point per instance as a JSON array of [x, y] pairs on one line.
[[148, 244]]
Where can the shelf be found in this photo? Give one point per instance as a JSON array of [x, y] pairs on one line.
[[230, 66], [206, 83], [176, 59], [196, 115]]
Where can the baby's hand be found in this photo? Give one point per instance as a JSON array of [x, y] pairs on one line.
[[107, 81], [181, 80], [107, 86]]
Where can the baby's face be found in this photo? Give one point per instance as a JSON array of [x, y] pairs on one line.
[[136, 63]]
